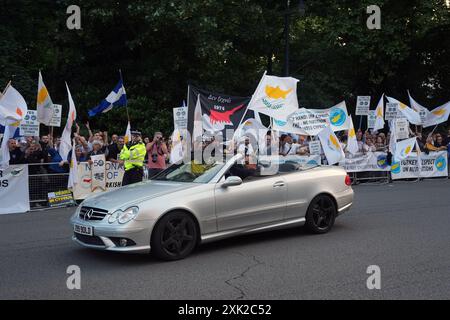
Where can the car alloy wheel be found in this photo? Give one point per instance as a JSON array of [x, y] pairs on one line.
[[175, 236], [321, 214]]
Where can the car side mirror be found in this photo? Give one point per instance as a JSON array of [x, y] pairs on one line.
[[232, 181]]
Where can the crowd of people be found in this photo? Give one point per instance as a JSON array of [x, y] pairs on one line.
[[367, 142], [42, 153]]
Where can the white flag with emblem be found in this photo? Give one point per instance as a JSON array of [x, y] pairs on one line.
[[404, 148], [14, 109], [275, 97], [412, 116], [352, 142], [379, 113], [421, 110], [44, 105], [438, 115], [331, 146]]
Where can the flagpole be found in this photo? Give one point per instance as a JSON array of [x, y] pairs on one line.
[[6, 88], [253, 95], [126, 103]]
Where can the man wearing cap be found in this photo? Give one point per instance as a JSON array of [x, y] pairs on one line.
[[132, 156]]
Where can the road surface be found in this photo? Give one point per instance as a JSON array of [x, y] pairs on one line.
[[404, 228]]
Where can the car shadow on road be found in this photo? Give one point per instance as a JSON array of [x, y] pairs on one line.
[[261, 238]]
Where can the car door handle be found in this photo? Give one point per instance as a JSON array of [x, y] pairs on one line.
[[278, 184]]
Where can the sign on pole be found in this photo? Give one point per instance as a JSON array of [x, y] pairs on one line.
[[391, 111], [180, 118], [29, 127], [371, 118], [315, 148], [402, 129], [56, 119], [362, 105]]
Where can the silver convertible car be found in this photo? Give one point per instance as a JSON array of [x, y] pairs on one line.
[[189, 203]]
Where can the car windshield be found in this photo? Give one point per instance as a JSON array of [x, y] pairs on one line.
[[190, 172]]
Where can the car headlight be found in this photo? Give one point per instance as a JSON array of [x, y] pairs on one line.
[[128, 215], [114, 216], [123, 216]]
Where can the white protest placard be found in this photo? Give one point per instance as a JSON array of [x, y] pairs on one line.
[[56, 119], [14, 190], [114, 176], [180, 118], [402, 129], [98, 169], [315, 148], [29, 127], [362, 105], [371, 118], [391, 111]]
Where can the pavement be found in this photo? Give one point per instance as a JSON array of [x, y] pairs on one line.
[[403, 228]]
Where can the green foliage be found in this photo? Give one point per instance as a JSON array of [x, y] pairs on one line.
[[161, 45]]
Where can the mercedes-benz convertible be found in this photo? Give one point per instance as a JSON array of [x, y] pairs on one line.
[[188, 204]]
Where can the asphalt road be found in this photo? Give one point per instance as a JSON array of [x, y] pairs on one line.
[[403, 228]]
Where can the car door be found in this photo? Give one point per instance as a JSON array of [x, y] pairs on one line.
[[254, 202]]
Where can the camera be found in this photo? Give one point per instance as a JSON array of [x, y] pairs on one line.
[[154, 157]]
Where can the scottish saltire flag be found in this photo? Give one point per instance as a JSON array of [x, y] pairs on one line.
[[117, 98]]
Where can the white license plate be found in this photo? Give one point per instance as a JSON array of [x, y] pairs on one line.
[[86, 230]]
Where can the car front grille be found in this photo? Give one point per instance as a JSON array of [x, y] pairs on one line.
[[92, 214], [92, 240]]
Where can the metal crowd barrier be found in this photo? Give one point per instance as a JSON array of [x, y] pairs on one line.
[[42, 180], [371, 177]]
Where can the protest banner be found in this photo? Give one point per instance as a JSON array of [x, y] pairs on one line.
[[29, 127], [98, 170], [60, 198], [301, 160], [219, 111], [14, 192], [371, 161], [432, 165], [312, 121], [114, 175]]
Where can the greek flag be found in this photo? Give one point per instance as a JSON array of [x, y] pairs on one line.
[[117, 98]]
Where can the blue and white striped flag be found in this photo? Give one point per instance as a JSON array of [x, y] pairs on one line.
[[117, 98]]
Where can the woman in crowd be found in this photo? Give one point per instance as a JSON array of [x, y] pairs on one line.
[[97, 149], [380, 145], [157, 155], [434, 146], [369, 146]]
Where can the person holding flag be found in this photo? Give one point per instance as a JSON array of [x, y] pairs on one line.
[[132, 157]]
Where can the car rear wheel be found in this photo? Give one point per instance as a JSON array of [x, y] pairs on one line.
[[174, 237], [321, 214]]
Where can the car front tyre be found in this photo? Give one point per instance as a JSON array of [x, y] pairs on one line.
[[174, 236], [321, 214]]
